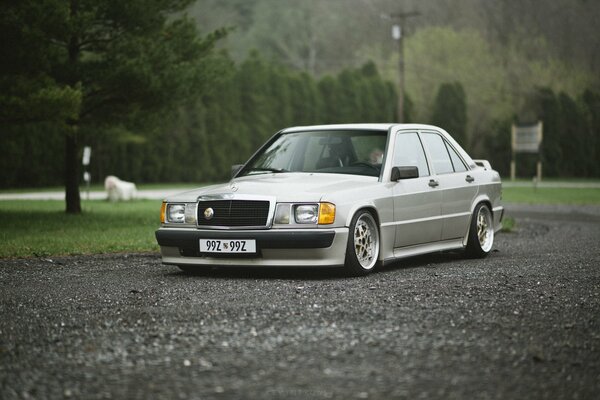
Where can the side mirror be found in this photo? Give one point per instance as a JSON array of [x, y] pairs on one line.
[[404, 173], [235, 169]]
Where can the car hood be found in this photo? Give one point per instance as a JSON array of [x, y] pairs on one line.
[[285, 187]]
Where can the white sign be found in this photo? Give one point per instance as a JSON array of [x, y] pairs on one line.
[[527, 139], [87, 152], [396, 32]]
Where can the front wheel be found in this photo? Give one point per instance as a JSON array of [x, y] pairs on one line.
[[481, 232], [362, 251]]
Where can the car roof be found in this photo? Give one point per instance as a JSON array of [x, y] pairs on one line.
[[375, 127]]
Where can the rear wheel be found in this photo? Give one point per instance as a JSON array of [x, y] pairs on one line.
[[362, 251], [481, 232]]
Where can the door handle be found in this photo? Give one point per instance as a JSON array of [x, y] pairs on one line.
[[433, 183], [469, 178]]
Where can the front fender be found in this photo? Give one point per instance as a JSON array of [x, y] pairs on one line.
[[352, 210]]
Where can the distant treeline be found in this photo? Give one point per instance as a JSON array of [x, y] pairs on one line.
[[252, 101], [199, 142], [571, 136]]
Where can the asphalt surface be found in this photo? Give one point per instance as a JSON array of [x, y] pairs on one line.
[[523, 323]]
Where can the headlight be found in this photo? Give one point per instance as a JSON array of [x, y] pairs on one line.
[[282, 214], [191, 213], [176, 213], [306, 213]]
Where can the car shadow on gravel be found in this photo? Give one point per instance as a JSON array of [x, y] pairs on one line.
[[312, 273], [433, 260], [260, 273]]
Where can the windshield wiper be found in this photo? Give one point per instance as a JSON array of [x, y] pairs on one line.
[[274, 170]]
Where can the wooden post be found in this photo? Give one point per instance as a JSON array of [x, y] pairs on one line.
[[539, 163], [513, 164]]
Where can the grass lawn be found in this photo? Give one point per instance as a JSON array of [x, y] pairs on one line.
[[41, 228], [550, 195]]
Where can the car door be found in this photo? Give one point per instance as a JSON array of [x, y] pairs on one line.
[[417, 202], [456, 185]]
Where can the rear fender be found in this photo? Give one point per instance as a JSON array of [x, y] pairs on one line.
[[481, 198]]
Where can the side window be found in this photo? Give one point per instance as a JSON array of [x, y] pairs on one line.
[[459, 166], [408, 152], [440, 159]]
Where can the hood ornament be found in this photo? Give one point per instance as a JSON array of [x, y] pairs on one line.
[[234, 187]]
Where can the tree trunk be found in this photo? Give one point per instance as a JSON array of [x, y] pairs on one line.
[[73, 202]]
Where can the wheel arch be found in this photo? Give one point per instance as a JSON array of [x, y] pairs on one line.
[[481, 199], [478, 200], [373, 210], [367, 206]]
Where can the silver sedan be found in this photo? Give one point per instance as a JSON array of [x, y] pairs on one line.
[[357, 196]]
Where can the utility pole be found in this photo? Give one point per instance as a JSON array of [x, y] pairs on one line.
[[398, 36]]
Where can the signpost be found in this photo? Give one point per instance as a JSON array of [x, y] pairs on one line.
[[526, 139], [87, 153]]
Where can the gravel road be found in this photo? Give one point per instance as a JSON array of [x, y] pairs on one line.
[[522, 324]]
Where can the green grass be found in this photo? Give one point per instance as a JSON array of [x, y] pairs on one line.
[[41, 228], [552, 180], [550, 195], [508, 224]]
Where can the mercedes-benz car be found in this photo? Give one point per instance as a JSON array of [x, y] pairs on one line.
[[353, 196]]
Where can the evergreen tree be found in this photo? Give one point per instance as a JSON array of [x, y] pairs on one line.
[[450, 111], [409, 107], [304, 99], [549, 113], [572, 137], [498, 146], [591, 104], [329, 93], [90, 63], [252, 79], [280, 91]]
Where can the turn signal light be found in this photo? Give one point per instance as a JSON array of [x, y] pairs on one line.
[[163, 211], [326, 213]]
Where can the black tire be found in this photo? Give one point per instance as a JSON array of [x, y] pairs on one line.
[[362, 250], [481, 232]]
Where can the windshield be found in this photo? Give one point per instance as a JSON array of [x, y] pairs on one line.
[[339, 152]]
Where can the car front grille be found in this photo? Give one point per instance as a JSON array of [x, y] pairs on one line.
[[234, 213]]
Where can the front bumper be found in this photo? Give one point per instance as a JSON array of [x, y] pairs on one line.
[[275, 247]]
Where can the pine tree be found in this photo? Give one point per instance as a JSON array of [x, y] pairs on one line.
[[450, 111], [91, 63]]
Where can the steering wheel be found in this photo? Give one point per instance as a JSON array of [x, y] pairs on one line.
[[365, 164]]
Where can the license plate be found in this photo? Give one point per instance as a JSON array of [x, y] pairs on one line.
[[228, 246]]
